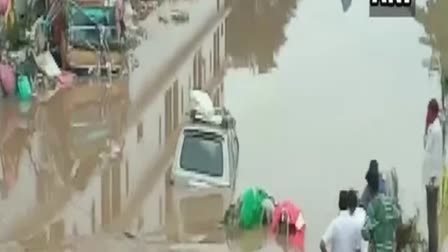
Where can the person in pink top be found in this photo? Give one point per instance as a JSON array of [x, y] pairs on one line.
[[288, 226]]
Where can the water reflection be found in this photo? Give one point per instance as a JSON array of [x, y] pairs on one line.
[[255, 32], [13, 140], [346, 4], [73, 167], [253, 240], [433, 19], [52, 168]]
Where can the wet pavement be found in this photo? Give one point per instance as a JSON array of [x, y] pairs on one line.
[[317, 92]]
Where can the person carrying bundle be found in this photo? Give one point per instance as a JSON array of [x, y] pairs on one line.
[[253, 209], [383, 217]]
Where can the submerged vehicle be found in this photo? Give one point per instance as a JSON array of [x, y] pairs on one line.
[[208, 149], [204, 172], [95, 36]]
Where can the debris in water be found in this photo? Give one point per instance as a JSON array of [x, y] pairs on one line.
[[45, 62], [46, 95], [408, 236], [80, 124], [163, 20], [129, 235], [179, 16]]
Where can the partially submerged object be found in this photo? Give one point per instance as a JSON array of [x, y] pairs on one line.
[[408, 236], [288, 225], [47, 64], [95, 36], [51, 77], [210, 137], [253, 210], [179, 16]]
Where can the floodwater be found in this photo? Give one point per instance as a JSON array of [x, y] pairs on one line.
[[317, 90], [341, 90]]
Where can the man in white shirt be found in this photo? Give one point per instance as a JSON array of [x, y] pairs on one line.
[[343, 233], [433, 144], [360, 217], [433, 169]]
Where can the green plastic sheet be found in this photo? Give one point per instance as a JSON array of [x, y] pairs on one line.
[[251, 211]]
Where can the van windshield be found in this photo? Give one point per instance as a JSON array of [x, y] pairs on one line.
[[202, 152]]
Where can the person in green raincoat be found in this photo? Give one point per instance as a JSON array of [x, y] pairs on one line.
[[383, 217]]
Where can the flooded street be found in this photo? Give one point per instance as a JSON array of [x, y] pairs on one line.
[[343, 89], [317, 93]]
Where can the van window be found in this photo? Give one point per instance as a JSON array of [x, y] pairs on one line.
[[202, 152]]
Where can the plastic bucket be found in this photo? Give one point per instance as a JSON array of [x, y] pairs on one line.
[[24, 87]]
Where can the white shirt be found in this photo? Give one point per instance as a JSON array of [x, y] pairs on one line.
[[360, 217], [433, 157], [342, 235]]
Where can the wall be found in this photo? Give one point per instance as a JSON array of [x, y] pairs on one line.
[[147, 138]]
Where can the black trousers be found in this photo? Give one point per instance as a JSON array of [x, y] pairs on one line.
[[432, 197]]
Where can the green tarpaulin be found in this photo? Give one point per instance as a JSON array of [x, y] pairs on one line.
[[251, 212]]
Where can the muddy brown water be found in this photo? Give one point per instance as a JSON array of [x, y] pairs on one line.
[[317, 92]]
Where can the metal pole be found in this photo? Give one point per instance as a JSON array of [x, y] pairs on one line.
[[443, 82], [432, 195]]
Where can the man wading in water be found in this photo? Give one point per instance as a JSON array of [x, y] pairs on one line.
[[382, 217], [373, 177], [432, 169], [342, 235]]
